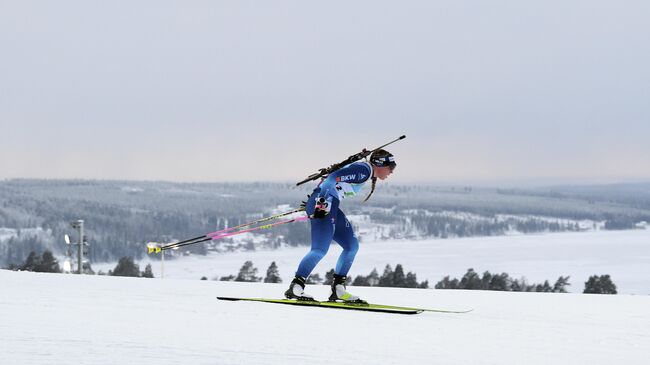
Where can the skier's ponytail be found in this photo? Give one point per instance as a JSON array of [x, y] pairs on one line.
[[372, 189], [379, 158]]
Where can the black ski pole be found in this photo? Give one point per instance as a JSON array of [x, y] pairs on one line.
[[206, 237]]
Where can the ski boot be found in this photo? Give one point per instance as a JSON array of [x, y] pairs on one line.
[[339, 292], [297, 290]]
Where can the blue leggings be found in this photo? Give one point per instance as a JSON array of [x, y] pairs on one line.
[[337, 227]]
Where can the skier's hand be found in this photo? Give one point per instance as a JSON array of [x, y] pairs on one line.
[[322, 208]]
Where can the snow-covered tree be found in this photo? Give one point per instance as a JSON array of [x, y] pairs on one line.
[[147, 273], [314, 279], [48, 263], [126, 267], [386, 278], [600, 285], [248, 273], [560, 284], [272, 274]]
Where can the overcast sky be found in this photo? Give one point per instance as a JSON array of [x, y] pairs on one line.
[[486, 92]]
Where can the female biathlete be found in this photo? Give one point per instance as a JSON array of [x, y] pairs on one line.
[[329, 223]]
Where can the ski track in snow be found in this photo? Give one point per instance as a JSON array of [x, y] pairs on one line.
[[62, 319]]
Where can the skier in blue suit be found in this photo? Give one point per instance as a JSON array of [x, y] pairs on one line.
[[329, 223]]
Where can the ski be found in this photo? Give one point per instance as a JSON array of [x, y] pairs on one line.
[[349, 306]]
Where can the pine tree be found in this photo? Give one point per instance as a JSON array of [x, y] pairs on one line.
[[31, 263], [360, 280], [447, 283], [47, 263], [411, 280], [329, 277], [248, 273], [399, 279], [516, 286], [272, 274], [499, 282], [373, 278], [544, 288], [470, 280], [486, 280], [314, 279], [148, 272], [560, 284], [126, 267], [600, 285], [386, 279]]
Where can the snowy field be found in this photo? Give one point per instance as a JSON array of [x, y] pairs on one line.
[[625, 255], [63, 319]]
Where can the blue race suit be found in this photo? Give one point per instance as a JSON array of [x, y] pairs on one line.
[[342, 183]]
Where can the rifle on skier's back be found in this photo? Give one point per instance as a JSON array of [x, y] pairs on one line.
[[356, 157]]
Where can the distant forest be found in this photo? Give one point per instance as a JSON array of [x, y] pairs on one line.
[[122, 216]]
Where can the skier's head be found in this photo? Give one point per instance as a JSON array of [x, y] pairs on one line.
[[383, 163]]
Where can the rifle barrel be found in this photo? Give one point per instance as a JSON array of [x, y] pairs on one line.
[[353, 158]]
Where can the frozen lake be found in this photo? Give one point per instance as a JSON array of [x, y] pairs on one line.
[[625, 255]]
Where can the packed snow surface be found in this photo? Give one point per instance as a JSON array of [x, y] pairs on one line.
[[63, 319]]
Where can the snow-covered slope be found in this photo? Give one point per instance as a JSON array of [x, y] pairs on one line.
[[63, 319]]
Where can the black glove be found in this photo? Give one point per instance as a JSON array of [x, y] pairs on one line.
[[321, 209]]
